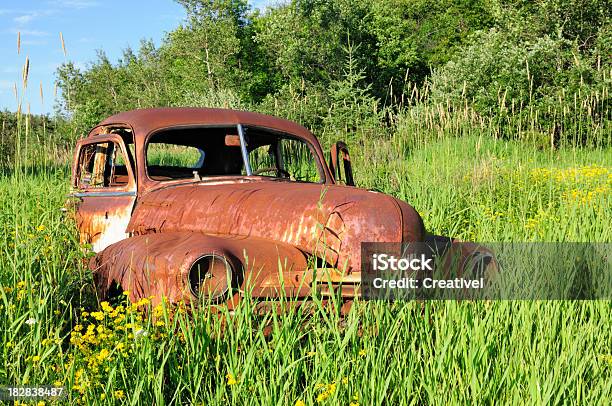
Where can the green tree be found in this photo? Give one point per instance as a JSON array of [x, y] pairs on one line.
[[353, 108]]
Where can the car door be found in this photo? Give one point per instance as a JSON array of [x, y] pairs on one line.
[[104, 190]]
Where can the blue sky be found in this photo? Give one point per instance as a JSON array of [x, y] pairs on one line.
[[87, 25]]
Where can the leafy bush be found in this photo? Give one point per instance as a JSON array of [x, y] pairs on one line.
[[511, 79]]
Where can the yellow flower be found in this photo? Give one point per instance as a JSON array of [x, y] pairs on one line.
[[311, 353], [118, 394], [362, 353], [21, 285], [97, 315], [41, 227], [142, 302], [299, 403], [106, 307], [230, 379], [35, 358], [57, 384], [104, 353], [329, 390]]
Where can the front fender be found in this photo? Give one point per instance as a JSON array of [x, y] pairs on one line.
[[158, 265]]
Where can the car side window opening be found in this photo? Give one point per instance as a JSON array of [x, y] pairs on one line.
[[101, 165], [201, 152]]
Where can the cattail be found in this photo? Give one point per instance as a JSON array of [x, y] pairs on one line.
[[26, 72], [63, 43], [18, 42], [42, 97]]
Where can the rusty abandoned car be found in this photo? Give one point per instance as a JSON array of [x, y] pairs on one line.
[[187, 203]]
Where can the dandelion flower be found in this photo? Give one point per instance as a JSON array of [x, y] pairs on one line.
[[118, 394], [299, 403]]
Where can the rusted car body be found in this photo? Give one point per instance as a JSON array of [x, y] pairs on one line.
[[186, 202]]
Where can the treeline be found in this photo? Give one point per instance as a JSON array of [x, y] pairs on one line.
[[523, 69], [32, 135]]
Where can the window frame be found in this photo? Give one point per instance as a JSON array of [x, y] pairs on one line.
[[100, 139]]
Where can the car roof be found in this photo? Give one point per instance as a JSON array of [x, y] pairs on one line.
[[145, 121]]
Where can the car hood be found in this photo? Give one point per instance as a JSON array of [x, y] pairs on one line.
[[328, 221]]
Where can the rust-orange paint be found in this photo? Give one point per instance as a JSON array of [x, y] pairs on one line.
[[278, 236]]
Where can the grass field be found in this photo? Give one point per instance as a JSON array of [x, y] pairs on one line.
[[53, 331]]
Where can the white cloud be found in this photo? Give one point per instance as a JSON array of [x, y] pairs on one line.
[[76, 3], [25, 18], [31, 33], [6, 84]]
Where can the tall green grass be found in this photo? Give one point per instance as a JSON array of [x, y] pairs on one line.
[[463, 179], [404, 353]]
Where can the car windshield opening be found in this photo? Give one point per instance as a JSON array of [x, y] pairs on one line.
[[201, 152]]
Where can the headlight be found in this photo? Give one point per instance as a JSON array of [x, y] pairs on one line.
[[210, 277]]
